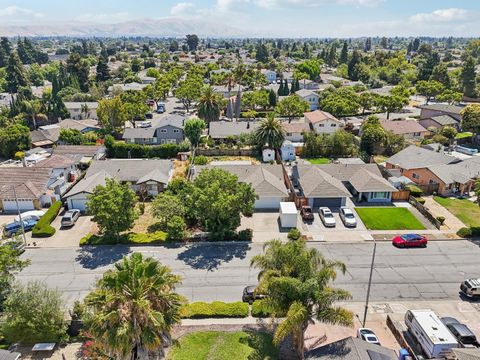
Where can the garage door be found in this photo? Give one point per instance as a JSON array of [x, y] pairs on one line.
[[267, 203], [328, 202], [11, 206], [77, 204]]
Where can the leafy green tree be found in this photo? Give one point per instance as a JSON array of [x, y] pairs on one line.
[[353, 65], [219, 200], [339, 102], [292, 106], [133, 307], [450, 96], [189, 91], [71, 137], [429, 89], [111, 114], [373, 136], [440, 74], [209, 105], [468, 77], [113, 208], [34, 313], [261, 54], [392, 103], [449, 132], [193, 131], [10, 265], [471, 118], [192, 42], [298, 284], [176, 228], [272, 98], [310, 67], [344, 54], [103, 72], [16, 77], [165, 206], [13, 138], [269, 132], [393, 143], [79, 68]]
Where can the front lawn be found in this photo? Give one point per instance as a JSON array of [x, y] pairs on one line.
[[463, 135], [215, 345], [390, 218], [319, 161], [465, 210]]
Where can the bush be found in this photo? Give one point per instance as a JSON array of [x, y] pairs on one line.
[[157, 237], [216, 309], [421, 200], [294, 234], [121, 150], [176, 228], [43, 228], [245, 235], [415, 191], [441, 219], [260, 310], [465, 232], [201, 160], [141, 208]]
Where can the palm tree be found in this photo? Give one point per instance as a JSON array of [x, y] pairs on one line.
[[32, 108], [209, 105], [297, 282], [269, 132], [133, 308], [84, 111]]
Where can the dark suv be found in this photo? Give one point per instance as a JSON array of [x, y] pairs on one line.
[[249, 295], [462, 332]]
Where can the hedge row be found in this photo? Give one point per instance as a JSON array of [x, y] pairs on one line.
[[260, 310], [415, 191], [216, 309], [43, 228], [468, 232], [156, 237], [121, 150]]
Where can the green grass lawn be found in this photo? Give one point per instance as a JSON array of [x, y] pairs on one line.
[[215, 345], [390, 218], [319, 161], [463, 135], [465, 210]]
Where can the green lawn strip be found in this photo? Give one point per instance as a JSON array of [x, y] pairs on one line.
[[214, 345], [465, 210], [158, 237], [463, 135], [389, 218], [319, 161]]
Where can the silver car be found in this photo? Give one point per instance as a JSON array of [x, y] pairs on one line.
[[327, 217], [348, 217], [70, 217]]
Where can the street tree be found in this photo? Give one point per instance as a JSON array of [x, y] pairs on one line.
[[113, 208], [193, 130], [471, 118], [188, 91], [392, 103], [111, 114], [209, 105], [430, 89], [133, 307]]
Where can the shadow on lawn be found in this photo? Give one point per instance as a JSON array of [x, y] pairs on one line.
[[211, 256], [92, 257]]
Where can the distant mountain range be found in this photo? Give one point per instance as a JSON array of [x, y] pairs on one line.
[[168, 27]]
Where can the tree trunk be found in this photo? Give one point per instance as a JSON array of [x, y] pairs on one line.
[[300, 343]]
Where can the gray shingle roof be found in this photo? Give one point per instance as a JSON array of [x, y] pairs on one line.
[[316, 182], [30, 182], [139, 133], [414, 157], [224, 129], [452, 109], [350, 349], [88, 184], [444, 120], [460, 172], [7, 355]]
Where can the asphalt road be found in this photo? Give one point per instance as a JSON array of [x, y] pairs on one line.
[[219, 272]]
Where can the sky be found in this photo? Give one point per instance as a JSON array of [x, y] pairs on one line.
[[283, 18]]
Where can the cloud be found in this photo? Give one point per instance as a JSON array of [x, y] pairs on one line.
[[314, 3], [12, 12], [440, 16], [183, 8], [103, 18]]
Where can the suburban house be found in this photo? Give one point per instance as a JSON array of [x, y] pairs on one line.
[[331, 184], [223, 130], [82, 110], [308, 84], [267, 181], [440, 115], [322, 122], [81, 154], [134, 86], [48, 135], [225, 91], [309, 96], [270, 75], [409, 129], [294, 130], [33, 188], [287, 75], [145, 176], [168, 129]]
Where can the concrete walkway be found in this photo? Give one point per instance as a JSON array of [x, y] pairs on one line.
[[451, 221]]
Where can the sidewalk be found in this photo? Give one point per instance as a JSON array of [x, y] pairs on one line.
[[451, 221]]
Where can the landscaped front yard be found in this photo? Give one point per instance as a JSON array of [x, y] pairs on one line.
[[389, 218], [319, 161], [216, 345], [465, 210]]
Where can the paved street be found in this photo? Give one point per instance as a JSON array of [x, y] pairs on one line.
[[220, 271]]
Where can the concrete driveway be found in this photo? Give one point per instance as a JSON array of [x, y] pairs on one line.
[[265, 226]]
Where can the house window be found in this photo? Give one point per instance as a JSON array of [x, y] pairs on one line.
[[289, 134], [379, 195], [321, 125], [416, 176], [416, 134], [176, 131], [162, 141], [163, 130], [432, 182], [333, 125]]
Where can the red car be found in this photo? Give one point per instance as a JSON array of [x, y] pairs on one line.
[[410, 240]]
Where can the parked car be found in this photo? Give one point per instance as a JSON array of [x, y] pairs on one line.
[[348, 217], [368, 336], [33, 214], [160, 108], [149, 116], [327, 217], [306, 213], [145, 124], [471, 288], [249, 295], [16, 227], [462, 332], [410, 240], [70, 217]]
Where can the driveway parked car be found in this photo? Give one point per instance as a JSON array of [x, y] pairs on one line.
[[327, 217], [462, 332], [33, 214], [70, 217], [306, 213], [368, 336], [16, 227], [348, 217], [249, 295], [410, 240]]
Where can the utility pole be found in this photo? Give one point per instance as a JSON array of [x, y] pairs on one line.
[[369, 282], [19, 216]]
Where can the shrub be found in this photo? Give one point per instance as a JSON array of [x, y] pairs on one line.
[[245, 235], [141, 208], [201, 160], [176, 228], [421, 201], [441, 219], [261, 310], [294, 234], [216, 309], [121, 150], [465, 232], [43, 228], [157, 237], [414, 190]]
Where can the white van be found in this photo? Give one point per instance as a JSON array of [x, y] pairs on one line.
[[430, 333], [471, 288]]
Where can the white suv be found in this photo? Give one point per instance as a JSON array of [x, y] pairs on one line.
[[327, 217], [348, 217]]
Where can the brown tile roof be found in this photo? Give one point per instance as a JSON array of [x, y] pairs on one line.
[[318, 115], [295, 127], [29, 182], [403, 126], [55, 161]]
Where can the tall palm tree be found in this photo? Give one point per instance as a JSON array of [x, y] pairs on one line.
[[297, 282], [269, 132], [209, 105], [133, 308]]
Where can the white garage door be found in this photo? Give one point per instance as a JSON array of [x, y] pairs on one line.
[[11, 206], [80, 204], [268, 203]]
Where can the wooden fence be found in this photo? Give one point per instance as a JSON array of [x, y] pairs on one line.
[[425, 212], [401, 195]]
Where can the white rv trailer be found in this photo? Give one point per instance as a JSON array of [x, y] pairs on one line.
[[432, 335]]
